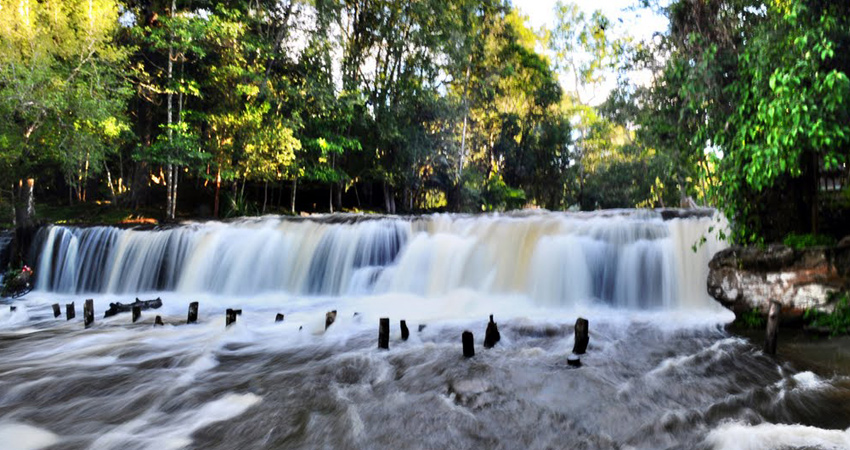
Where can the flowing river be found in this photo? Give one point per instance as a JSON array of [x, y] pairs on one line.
[[660, 371]]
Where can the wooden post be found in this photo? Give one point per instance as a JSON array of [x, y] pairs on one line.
[[278, 317], [772, 327], [468, 344], [405, 333], [422, 327], [70, 311], [13, 309], [88, 312], [384, 333], [582, 336], [57, 311], [229, 317], [137, 312], [330, 318], [574, 360], [491, 336], [193, 313], [157, 321]]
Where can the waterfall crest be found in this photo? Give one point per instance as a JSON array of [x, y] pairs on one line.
[[626, 259]]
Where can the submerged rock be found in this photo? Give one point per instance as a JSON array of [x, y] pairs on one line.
[[747, 278]]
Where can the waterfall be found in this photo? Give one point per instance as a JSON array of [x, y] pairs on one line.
[[625, 259]]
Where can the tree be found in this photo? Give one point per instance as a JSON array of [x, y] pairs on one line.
[[62, 94]]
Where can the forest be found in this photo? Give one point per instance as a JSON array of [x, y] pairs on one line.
[[198, 109]]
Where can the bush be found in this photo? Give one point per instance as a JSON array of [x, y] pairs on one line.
[[752, 319], [838, 322], [801, 241]]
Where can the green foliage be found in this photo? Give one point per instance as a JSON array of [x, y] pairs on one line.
[[802, 241], [838, 321], [752, 319]]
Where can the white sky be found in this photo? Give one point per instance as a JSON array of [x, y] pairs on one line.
[[639, 23]]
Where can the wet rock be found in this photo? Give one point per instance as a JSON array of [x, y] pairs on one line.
[[747, 278], [116, 308]]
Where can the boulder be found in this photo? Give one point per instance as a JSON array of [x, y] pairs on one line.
[[747, 278]]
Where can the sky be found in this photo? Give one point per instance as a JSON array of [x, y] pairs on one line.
[[639, 23]]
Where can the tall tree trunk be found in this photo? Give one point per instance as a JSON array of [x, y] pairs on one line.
[[265, 195], [25, 204], [292, 195], [389, 199], [170, 96], [217, 192], [465, 118]]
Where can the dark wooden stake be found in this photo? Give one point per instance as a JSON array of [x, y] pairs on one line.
[[88, 312], [582, 337], [137, 312], [468, 344], [70, 311], [422, 327], [229, 317], [330, 318], [193, 313], [405, 333], [384, 333], [772, 327], [278, 317], [491, 336], [57, 310], [157, 321], [13, 308]]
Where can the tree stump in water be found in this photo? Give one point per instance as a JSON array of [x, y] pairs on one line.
[[57, 311], [70, 311], [491, 336], [468, 344], [278, 317], [88, 313], [137, 312], [330, 318], [384, 333], [772, 327], [229, 317], [405, 333], [582, 336], [157, 321], [193, 313]]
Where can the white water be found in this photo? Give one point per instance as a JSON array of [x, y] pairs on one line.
[[659, 372], [626, 260]]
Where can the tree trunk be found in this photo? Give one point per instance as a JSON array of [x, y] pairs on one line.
[[389, 199], [25, 204], [265, 195], [169, 207], [217, 192], [292, 195]]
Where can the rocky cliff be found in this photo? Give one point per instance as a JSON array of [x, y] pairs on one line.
[[744, 278]]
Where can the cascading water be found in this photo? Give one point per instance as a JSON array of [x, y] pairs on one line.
[[660, 371], [628, 259]]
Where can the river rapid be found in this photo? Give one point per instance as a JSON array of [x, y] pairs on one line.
[[660, 371]]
